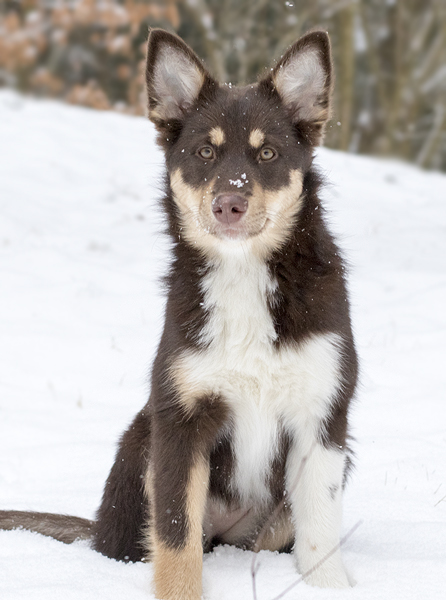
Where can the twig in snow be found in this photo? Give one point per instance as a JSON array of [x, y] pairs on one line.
[[255, 567], [321, 562], [441, 500], [273, 516]]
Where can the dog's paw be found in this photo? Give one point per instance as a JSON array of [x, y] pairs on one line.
[[323, 570], [328, 578]]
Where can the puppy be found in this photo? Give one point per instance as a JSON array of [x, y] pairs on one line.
[[256, 367]]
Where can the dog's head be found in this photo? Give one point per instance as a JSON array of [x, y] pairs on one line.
[[236, 157]]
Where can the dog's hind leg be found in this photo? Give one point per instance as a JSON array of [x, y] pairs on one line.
[[178, 484], [122, 517]]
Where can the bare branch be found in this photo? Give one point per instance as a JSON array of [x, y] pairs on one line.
[[321, 562], [433, 137]]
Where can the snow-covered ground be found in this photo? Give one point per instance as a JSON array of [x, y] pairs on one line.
[[80, 316]]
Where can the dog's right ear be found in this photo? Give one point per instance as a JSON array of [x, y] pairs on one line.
[[174, 76]]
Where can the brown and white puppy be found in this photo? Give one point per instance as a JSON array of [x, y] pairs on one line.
[[256, 366]]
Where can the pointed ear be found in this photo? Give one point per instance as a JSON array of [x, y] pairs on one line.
[[303, 80], [174, 76]]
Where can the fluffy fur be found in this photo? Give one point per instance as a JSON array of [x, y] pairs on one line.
[[256, 367]]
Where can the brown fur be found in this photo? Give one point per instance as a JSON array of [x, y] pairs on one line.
[[171, 492], [64, 528]]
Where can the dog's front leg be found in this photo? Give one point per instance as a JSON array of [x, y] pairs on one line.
[[315, 490], [178, 486]]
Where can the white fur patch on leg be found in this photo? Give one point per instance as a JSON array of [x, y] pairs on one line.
[[316, 506]]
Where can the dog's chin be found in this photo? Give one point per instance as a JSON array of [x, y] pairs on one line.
[[238, 232]]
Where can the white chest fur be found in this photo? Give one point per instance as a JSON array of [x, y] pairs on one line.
[[266, 388]]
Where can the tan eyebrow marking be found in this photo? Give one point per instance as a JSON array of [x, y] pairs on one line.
[[217, 136], [256, 138]]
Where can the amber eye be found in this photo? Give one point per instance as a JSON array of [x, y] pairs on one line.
[[267, 154], [206, 152]]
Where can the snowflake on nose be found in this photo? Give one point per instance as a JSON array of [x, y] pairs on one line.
[[238, 182]]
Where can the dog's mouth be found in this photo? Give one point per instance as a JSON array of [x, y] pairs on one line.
[[231, 233], [241, 231]]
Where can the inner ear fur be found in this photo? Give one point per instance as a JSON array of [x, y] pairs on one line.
[[175, 77], [303, 78]]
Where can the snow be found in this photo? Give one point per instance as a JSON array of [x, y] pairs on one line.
[[80, 314]]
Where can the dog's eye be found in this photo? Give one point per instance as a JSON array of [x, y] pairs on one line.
[[206, 152], [267, 154]]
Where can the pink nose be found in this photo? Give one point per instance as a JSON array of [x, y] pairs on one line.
[[229, 208]]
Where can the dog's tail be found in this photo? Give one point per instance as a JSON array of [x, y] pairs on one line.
[[64, 528]]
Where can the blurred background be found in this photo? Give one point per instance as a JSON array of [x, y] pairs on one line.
[[390, 58]]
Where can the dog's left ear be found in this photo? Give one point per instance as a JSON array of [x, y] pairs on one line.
[[303, 80]]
